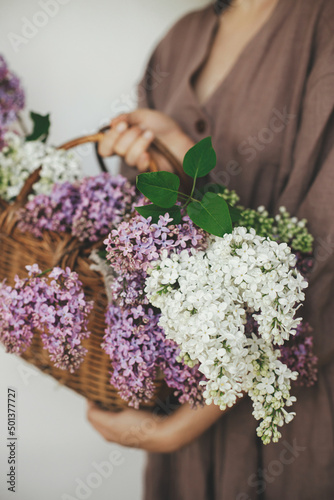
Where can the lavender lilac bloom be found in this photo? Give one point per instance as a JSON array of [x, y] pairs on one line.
[[298, 355], [137, 346], [103, 201], [87, 209], [136, 243], [128, 289], [54, 306], [139, 352], [11, 98], [52, 212], [304, 262]]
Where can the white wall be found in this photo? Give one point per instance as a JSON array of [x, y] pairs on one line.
[[82, 66], [84, 63]]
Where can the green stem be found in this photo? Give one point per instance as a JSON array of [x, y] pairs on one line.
[[182, 195], [193, 188], [43, 273], [188, 199]]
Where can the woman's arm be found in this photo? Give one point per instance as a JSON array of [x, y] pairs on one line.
[[157, 434]]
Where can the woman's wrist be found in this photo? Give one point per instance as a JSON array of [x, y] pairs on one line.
[[182, 427], [179, 143], [151, 432]]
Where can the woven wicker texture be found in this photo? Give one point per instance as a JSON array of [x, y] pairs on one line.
[[17, 249]]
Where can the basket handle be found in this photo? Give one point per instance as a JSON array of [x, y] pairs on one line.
[[156, 145]]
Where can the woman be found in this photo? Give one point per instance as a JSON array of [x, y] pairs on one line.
[[258, 76]]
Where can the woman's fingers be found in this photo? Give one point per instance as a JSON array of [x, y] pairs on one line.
[[120, 118], [135, 155], [126, 140], [122, 428], [130, 142], [107, 144], [144, 162], [98, 419], [139, 116]]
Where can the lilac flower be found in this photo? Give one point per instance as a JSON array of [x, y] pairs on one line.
[[33, 270], [53, 306], [11, 98], [103, 202], [305, 262], [15, 332], [128, 289], [137, 346], [52, 212], [88, 209], [139, 351], [298, 355], [137, 242]]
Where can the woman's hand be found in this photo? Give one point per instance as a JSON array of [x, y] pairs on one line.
[[131, 134], [150, 432]]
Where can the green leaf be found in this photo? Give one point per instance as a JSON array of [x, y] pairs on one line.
[[200, 159], [235, 213], [102, 254], [211, 214], [41, 127], [159, 187], [154, 211]]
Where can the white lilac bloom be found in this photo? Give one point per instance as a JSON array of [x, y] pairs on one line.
[[18, 159], [204, 300]]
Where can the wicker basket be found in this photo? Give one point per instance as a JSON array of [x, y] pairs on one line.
[[92, 379]]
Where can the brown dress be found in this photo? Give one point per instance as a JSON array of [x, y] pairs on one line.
[[272, 125]]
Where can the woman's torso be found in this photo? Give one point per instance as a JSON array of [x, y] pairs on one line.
[[271, 122]]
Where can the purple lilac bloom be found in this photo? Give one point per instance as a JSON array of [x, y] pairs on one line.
[[178, 376], [88, 209], [139, 351], [298, 355], [137, 346], [54, 306], [2, 139], [11, 98], [52, 212], [305, 262], [128, 289], [137, 242], [104, 201], [132, 347]]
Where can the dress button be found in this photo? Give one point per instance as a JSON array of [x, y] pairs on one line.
[[200, 126]]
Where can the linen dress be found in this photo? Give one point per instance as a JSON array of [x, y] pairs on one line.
[[272, 125]]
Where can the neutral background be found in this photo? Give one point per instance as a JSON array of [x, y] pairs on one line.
[[80, 60]]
